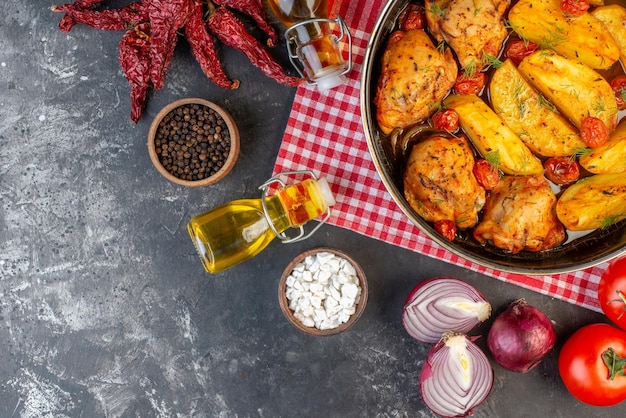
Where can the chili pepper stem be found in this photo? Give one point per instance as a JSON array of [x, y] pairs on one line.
[[211, 8]]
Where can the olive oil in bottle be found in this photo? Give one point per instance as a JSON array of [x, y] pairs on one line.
[[239, 230], [315, 46], [294, 11]]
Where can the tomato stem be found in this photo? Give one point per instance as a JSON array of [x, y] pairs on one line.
[[621, 298], [615, 363]]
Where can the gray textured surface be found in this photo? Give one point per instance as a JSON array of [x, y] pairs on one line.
[[105, 310]]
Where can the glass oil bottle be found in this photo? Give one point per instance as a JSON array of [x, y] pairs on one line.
[[313, 49], [239, 230]]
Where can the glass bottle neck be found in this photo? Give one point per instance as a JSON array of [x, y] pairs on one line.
[[293, 11], [277, 214], [295, 205]]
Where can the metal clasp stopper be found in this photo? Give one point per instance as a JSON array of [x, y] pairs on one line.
[[278, 179]]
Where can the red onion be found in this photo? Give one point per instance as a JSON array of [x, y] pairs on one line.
[[456, 376], [443, 304], [520, 337]]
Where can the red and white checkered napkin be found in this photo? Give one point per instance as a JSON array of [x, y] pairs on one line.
[[324, 134]]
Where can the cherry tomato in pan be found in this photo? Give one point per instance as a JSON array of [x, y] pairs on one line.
[[612, 292], [413, 17], [469, 84], [561, 170], [593, 132], [446, 119], [618, 84], [591, 364], [574, 8], [446, 228], [396, 36], [486, 174], [517, 50]]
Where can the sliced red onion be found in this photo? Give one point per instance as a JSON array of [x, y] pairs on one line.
[[520, 337], [443, 304], [456, 376]]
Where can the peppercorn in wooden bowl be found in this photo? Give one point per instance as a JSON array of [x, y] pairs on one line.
[[322, 292], [193, 142]]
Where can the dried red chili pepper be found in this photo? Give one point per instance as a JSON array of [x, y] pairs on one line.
[[134, 57], [256, 10], [146, 49], [85, 4], [203, 48], [225, 25], [66, 23], [109, 19], [166, 17], [135, 13]]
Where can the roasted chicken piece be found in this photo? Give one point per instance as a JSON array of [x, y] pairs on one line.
[[472, 28], [415, 77], [439, 182], [520, 215]]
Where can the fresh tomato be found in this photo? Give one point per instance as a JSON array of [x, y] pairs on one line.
[[446, 119], [469, 83], [517, 50], [593, 132], [583, 365], [446, 228], [486, 174], [561, 170], [618, 84], [612, 292], [574, 8]]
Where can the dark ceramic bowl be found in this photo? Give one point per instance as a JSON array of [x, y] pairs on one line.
[[576, 254]]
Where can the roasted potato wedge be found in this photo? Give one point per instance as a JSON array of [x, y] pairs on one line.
[[593, 202], [492, 137], [610, 157], [584, 38], [614, 18], [575, 89], [538, 124]]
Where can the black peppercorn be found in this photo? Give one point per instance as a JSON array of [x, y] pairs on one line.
[[192, 142]]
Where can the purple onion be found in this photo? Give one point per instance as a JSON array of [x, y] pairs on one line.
[[520, 337], [443, 304], [456, 376]]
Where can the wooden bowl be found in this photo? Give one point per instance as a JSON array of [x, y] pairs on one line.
[[158, 159], [314, 330]]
